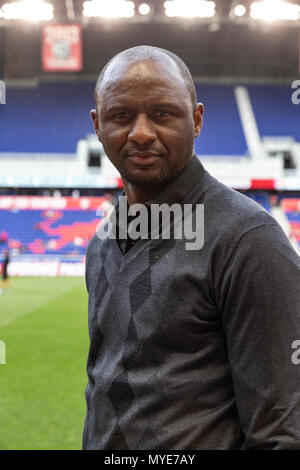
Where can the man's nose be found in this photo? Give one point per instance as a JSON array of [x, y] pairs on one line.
[[142, 131]]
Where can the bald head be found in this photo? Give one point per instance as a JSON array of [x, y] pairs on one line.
[[142, 53]]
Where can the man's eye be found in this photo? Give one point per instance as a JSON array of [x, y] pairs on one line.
[[163, 114], [121, 116]]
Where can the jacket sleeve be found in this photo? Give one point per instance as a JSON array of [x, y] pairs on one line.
[[91, 260], [260, 306]]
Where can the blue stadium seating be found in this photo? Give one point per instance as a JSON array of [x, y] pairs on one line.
[[275, 113], [291, 206], [54, 116], [48, 119], [59, 232], [222, 132], [33, 231]]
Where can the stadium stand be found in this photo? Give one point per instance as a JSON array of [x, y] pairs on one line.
[[222, 132], [53, 120], [291, 207], [275, 113], [44, 110], [52, 106], [50, 231], [61, 232]]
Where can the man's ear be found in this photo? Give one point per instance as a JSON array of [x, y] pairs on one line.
[[94, 116], [198, 118]]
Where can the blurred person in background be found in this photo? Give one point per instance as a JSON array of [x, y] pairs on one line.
[[3, 237], [4, 274]]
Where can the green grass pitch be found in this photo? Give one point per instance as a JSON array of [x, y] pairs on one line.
[[43, 322]]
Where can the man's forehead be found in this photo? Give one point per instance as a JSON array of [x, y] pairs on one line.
[[141, 69]]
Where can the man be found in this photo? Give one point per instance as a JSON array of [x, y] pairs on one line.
[[5, 279], [190, 349]]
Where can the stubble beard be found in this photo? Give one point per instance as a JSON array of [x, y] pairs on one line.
[[166, 175], [163, 177]]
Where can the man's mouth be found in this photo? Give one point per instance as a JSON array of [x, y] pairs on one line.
[[143, 158]]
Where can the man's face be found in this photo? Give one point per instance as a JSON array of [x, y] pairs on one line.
[[145, 120]]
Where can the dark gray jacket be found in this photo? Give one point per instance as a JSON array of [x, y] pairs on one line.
[[193, 349]]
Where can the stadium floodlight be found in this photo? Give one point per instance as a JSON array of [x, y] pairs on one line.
[[144, 9], [240, 10], [108, 9], [190, 8], [274, 10], [30, 10]]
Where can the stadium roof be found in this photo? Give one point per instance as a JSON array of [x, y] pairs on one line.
[[222, 48], [64, 9]]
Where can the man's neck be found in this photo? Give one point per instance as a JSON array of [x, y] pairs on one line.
[[141, 194]]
